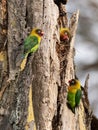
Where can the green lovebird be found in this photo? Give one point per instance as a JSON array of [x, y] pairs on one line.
[[32, 42], [74, 94], [31, 45]]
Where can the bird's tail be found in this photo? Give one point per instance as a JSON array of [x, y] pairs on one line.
[[71, 108]]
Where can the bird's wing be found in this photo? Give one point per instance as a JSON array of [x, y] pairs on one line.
[[29, 43], [78, 97]]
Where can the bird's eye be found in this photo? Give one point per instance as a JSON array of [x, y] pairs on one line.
[[39, 31], [72, 81]]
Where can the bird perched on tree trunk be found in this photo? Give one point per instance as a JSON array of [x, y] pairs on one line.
[[74, 94], [65, 35], [31, 44]]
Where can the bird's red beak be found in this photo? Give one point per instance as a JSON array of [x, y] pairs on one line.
[[65, 37], [42, 33], [69, 81]]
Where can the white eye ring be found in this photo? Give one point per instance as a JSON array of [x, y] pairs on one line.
[[72, 81], [39, 32]]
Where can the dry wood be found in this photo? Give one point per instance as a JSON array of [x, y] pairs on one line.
[[46, 73]]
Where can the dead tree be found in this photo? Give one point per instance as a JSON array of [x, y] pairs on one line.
[[39, 90]]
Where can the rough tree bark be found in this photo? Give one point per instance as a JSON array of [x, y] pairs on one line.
[[42, 85]]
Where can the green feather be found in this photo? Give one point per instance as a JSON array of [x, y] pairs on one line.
[[30, 45], [74, 99], [78, 97], [71, 99]]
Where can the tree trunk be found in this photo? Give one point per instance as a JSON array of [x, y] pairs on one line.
[[35, 98]]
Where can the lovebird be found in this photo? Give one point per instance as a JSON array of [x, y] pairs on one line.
[[65, 35], [74, 94], [31, 44]]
